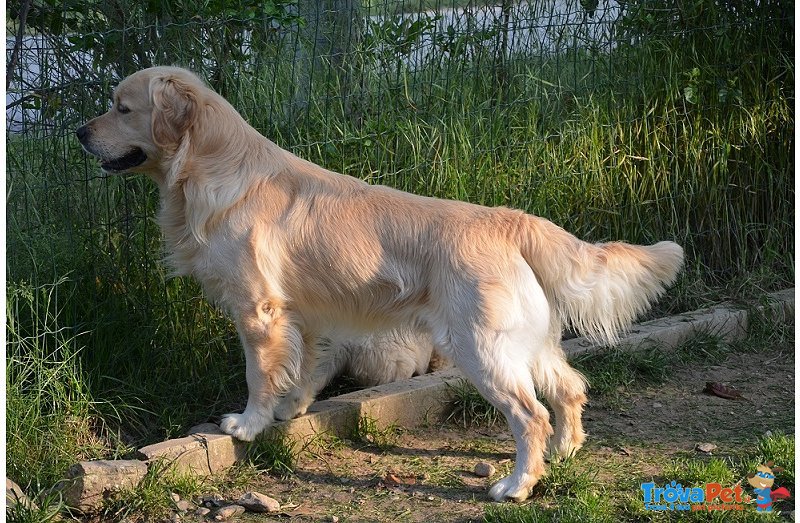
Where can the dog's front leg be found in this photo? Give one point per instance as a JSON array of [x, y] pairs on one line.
[[273, 346]]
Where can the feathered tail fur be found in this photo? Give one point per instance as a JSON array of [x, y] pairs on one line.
[[598, 288]]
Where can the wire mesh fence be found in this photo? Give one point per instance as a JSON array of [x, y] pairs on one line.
[[308, 45], [639, 120]]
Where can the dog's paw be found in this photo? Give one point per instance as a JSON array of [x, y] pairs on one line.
[[511, 487], [287, 410], [289, 406], [294, 404], [243, 426]]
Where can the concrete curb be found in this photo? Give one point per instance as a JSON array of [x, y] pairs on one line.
[[200, 453], [16, 496], [727, 321], [413, 402], [409, 403]]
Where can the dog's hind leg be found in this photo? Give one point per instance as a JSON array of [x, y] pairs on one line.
[[496, 361], [273, 346], [509, 387], [564, 388], [494, 337]]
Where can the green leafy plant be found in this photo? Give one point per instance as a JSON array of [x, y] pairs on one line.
[[46, 508]]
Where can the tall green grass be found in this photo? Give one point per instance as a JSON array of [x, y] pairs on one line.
[[637, 144], [52, 416]]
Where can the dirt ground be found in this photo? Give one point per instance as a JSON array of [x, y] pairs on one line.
[[680, 414], [427, 475]]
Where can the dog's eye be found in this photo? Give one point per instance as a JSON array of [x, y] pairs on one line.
[[124, 109]]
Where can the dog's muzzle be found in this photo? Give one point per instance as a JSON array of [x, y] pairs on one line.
[[129, 160]]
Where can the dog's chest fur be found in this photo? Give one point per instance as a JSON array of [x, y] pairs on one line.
[[214, 258]]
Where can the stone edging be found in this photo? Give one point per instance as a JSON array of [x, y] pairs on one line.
[[206, 450]]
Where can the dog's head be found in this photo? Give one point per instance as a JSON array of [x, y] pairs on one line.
[[152, 113]]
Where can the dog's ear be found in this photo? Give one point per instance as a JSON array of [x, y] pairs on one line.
[[174, 109]]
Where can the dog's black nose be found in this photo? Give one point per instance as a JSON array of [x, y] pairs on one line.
[[82, 133]]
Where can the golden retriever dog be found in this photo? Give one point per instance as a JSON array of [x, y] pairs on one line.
[[370, 360], [293, 251]]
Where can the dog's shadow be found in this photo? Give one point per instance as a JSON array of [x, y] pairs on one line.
[[369, 485], [412, 451]]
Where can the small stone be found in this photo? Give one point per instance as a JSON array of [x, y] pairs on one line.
[[212, 501], [333, 519], [657, 405], [256, 502], [484, 469], [15, 496], [202, 511], [759, 412], [175, 497], [184, 505], [226, 513], [708, 448]]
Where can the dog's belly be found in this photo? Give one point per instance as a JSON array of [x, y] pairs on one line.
[[373, 306], [362, 286]]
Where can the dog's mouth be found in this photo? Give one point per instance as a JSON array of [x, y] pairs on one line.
[[123, 163]]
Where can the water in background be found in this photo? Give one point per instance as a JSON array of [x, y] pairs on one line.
[[535, 28]]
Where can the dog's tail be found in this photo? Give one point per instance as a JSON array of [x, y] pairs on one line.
[[598, 288]]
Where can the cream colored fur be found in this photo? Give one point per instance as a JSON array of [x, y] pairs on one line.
[[293, 251]]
